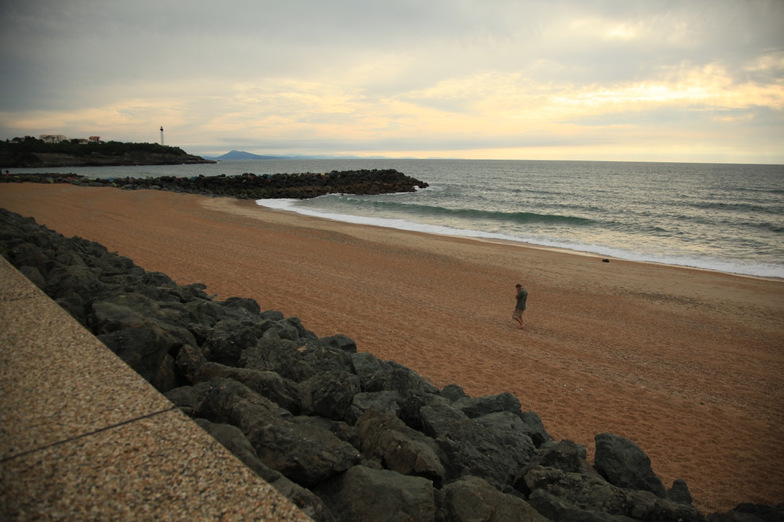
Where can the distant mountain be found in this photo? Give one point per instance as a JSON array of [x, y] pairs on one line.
[[242, 155], [238, 155]]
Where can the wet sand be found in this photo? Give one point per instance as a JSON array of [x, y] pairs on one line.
[[689, 364]]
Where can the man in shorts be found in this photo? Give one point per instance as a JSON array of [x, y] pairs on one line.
[[521, 296]]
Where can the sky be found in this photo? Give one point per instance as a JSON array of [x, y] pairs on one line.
[[615, 80]]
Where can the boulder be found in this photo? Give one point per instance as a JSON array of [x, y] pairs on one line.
[[535, 428], [679, 492], [436, 416], [565, 456], [73, 281], [187, 363], [229, 338], [235, 441], [472, 499], [339, 342], [329, 394], [495, 452], [34, 275], [189, 398], [477, 406], [297, 360], [452, 392], [306, 451], [625, 465], [398, 447], [394, 377], [561, 495], [366, 366], [749, 512], [244, 308], [231, 402], [145, 348], [362, 494], [383, 401], [283, 392]]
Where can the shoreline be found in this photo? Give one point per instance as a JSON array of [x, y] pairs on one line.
[[686, 362], [439, 230], [523, 244]]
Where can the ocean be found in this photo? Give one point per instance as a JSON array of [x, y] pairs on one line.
[[722, 217]]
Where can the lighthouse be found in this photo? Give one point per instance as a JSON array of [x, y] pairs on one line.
[[161, 134]]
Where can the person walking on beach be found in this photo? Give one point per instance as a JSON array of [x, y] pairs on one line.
[[521, 296]]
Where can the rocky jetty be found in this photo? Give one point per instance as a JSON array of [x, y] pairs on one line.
[[343, 434], [264, 186]]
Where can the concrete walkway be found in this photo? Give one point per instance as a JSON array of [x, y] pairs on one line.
[[83, 437]]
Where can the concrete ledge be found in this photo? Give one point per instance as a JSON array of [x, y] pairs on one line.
[[82, 436]]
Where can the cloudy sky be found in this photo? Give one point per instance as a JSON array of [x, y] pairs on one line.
[[688, 80]]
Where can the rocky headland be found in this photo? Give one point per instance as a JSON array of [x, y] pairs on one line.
[[343, 434], [33, 153]]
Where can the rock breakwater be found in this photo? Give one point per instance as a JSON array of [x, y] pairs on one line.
[[250, 186], [343, 434]]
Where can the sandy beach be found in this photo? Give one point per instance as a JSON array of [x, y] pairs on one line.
[[688, 364]]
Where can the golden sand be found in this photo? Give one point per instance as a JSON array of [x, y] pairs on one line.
[[688, 364]]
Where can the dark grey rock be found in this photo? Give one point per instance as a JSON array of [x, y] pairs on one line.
[[189, 398], [436, 417], [283, 330], [339, 342], [399, 447], [496, 452], [366, 366], [565, 456], [205, 314], [283, 392], [478, 406], [307, 452], [250, 307], [231, 402], [453, 392], [383, 401], [145, 348], [535, 428], [563, 495], [73, 281], [400, 379], [472, 499], [625, 465], [362, 494], [749, 512], [552, 507], [679, 492], [235, 441], [229, 338], [34, 275], [188, 362], [329, 394]]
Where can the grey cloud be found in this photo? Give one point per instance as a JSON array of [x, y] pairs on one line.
[[78, 43], [84, 53]]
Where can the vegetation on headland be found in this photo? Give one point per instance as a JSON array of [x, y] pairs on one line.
[[250, 186], [30, 152]]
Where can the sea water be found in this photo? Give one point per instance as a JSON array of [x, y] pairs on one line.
[[722, 217]]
